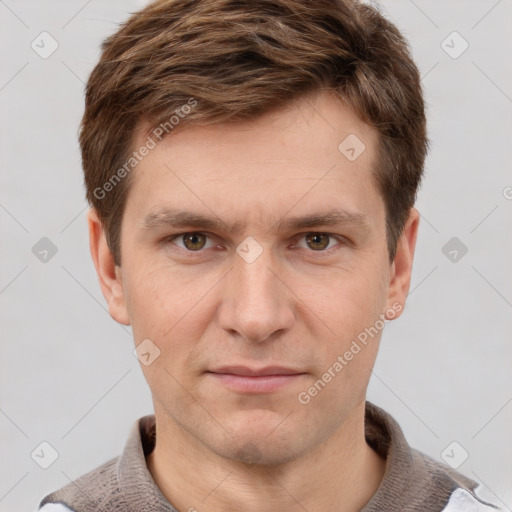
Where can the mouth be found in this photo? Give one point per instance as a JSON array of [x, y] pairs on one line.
[[243, 379]]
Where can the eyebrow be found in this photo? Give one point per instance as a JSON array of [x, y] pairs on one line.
[[330, 218], [178, 219]]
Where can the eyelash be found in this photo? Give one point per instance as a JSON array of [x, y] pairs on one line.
[[341, 241]]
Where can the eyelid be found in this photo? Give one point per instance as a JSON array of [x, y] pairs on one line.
[[340, 239], [300, 236], [172, 238]]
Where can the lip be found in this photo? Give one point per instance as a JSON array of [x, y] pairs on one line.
[[256, 372], [243, 379]]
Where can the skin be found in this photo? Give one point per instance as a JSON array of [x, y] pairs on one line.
[[299, 304]]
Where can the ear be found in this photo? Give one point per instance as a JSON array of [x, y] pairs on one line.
[[401, 268], [109, 274]]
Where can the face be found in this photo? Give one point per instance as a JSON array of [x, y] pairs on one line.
[[254, 258]]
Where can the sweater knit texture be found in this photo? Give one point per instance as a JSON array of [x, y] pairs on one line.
[[412, 482]]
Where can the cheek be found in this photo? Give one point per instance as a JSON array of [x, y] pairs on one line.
[[349, 302], [159, 298], [172, 314], [350, 307], [172, 310]]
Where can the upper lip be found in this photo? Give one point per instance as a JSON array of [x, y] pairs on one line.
[[254, 372]]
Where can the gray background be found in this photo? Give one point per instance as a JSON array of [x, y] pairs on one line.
[[68, 375]]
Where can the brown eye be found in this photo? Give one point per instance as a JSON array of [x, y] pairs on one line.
[[317, 241], [194, 241]]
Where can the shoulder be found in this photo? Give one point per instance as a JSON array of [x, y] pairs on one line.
[[476, 500], [464, 495], [415, 482], [54, 507], [118, 484], [86, 491]]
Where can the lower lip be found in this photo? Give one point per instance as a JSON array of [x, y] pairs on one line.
[[255, 384]]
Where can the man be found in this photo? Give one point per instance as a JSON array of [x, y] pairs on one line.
[[252, 170]]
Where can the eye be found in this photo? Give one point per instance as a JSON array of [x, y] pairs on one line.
[[318, 241], [194, 241]]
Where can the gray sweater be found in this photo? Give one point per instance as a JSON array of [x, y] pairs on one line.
[[412, 481]]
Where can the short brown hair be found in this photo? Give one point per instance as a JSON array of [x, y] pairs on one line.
[[211, 61]]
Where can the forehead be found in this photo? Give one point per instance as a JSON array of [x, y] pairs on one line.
[[314, 149]]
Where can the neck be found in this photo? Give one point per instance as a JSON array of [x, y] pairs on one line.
[[342, 474]]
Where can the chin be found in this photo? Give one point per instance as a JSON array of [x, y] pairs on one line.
[[263, 442], [262, 453]]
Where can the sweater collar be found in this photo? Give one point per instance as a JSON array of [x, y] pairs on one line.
[[382, 433], [136, 483]]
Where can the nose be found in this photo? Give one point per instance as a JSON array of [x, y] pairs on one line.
[[256, 304]]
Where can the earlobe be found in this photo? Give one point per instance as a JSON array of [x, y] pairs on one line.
[[401, 268], [109, 275]]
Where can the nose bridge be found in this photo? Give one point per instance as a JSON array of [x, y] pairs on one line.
[[256, 304]]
